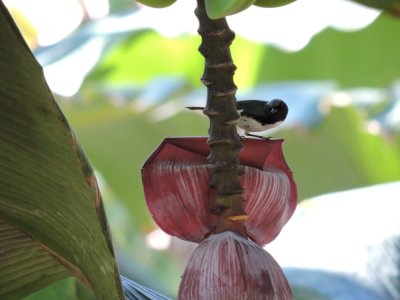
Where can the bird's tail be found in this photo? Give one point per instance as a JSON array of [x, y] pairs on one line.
[[195, 107]]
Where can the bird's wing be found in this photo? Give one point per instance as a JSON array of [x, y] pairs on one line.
[[252, 107]]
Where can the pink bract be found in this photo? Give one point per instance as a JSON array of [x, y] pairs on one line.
[[176, 186], [226, 265]]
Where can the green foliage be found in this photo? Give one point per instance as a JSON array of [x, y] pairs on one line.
[[221, 8], [157, 3], [68, 289], [272, 3], [368, 57], [138, 58], [143, 56], [363, 58], [49, 202], [340, 154], [118, 141], [20, 258]]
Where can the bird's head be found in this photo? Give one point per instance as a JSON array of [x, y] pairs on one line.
[[278, 107]]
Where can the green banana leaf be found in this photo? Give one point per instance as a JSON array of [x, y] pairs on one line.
[[20, 257], [66, 289], [223, 8], [52, 220]]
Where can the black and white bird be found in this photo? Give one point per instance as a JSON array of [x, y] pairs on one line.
[[258, 115]]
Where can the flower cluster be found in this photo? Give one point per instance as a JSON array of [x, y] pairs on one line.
[[176, 186]]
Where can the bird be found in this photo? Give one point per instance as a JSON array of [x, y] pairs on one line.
[[258, 115]]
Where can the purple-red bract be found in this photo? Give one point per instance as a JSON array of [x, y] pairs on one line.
[[228, 266], [176, 186]]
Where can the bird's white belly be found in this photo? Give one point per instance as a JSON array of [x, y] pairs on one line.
[[251, 125]]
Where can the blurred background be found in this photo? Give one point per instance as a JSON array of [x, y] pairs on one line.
[[123, 74]]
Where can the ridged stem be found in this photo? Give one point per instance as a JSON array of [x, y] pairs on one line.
[[221, 110]]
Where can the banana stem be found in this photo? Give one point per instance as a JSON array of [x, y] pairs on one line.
[[221, 110]]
